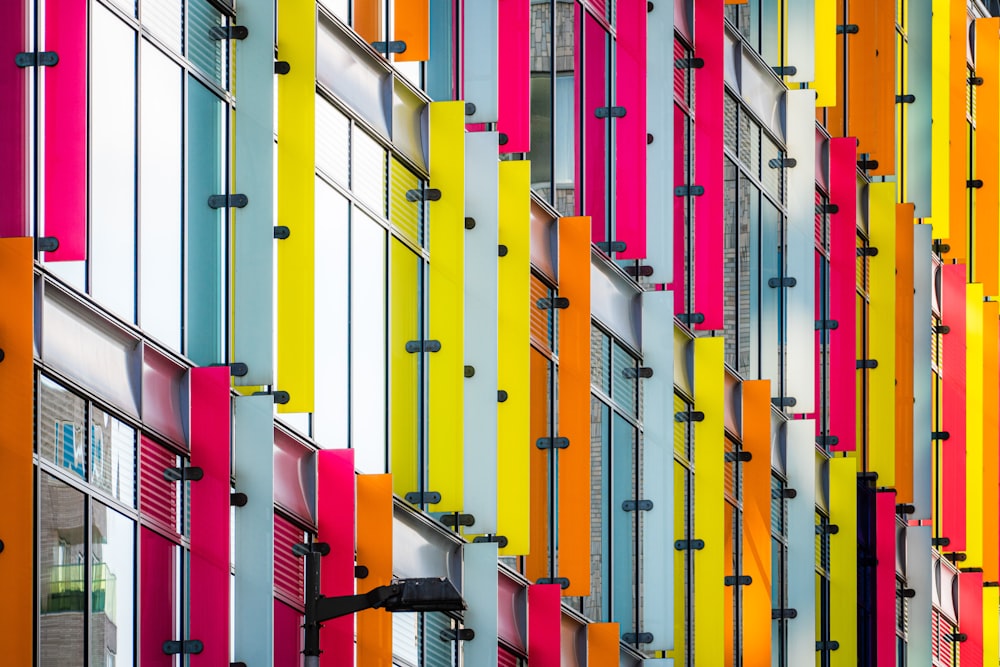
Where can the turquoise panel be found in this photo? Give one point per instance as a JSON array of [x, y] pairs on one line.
[[800, 461], [660, 153], [922, 408], [481, 595], [479, 67], [919, 577], [917, 163]]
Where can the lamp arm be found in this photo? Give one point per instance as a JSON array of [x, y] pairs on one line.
[[327, 608]]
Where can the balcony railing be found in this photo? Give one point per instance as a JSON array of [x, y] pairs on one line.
[[65, 590]]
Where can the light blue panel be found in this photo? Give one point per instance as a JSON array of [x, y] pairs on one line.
[[440, 67], [800, 348], [770, 267], [658, 470], [254, 541], [800, 452], [660, 153], [480, 64], [658, 662], [919, 577], [479, 591], [481, 303], [771, 38], [621, 588], [801, 27], [922, 409], [917, 153], [253, 226]]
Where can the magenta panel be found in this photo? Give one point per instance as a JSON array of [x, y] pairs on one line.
[[158, 598], [709, 41], [514, 73], [210, 449], [336, 512], [970, 617], [294, 476], [287, 636], [885, 579], [952, 522], [843, 278], [681, 267], [66, 129], [164, 400], [543, 625], [511, 610], [630, 131], [13, 125], [595, 129]]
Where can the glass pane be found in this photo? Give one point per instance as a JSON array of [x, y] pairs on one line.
[[625, 381], [729, 304], [112, 164], [61, 422], [623, 487], [112, 621], [204, 50], [597, 606], [160, 191], [368, 171], [164, 19], [437, 653], [771, 177], [541, 98], [600, 360], [112, 456], [333, 139], [368, 365], [62, 563], [406, 216]]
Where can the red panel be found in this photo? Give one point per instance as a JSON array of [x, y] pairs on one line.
[[843, 258], [13, 126], [885, 579], [210, 422], [289, 569], [157, 598], [970, 618], [335, 510], [953, 407], [595, 129], [514, 74], [157, 496], [287, 636], [543, 625], [66, 129], [630, 131], [709, 40]]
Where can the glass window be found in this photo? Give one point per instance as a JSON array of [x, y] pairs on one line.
[[112, 456], [204, 49], [406, 216], [112, 558], [164, 18], [62, 567], [62, 427], [625, 381], [368, 171], [333, 140]]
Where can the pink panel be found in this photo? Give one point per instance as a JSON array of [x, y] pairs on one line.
[[952, 521], [843, 276], [970, 617], [13, 126], [210, 448], [885, 579], [287, 636], [294, 475], [514, 75], [595, 129], [336, 511], [163, 399], [511, 611], [66, 129], [543, 625], [630, 131], [709, 40], [679, 286], [157, 598]]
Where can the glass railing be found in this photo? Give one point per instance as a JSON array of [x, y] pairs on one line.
[[65, 590]]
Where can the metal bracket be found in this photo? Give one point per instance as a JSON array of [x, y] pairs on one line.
[[787, 70], [37, 59], [956, 637], [423, 498], [611, 246], [559, 302], [183, 474], [741, 457], [865, 363], [457, 634], [868, 251], [691, 318], [827, 529], [867, 164], [827, 209], [907, 593], [689, 63], [282, 67], [610, 112], [641, 270], [788, 494], [238, 499], [847, 29], [632, 372], [415, 346], [906, 99], [689, 416], [502, 139], [827, 440], [637, 505], [501, 396], [991, 584], [689, 190], [974, 183], [470, 223], [975, 81], [552, 443], [744, 580], [390, 47], [940, 541], [940, 435], [827, 646], [562, 581], [237, 369], [469, 371], [784, 401], [688, 545], [827, 325], [427, 194], [282, 232], [940, 248], [280, 397], [227, 201], [499, 539], [306, 548], [184, 647], [457, 519], [47, 244], [470, 108], [232, 32], [955, 557], [780, 162], [868, 476], [360, 572], [638, 637], [905, 508], [784, 613], [501, 250], [781, 282]]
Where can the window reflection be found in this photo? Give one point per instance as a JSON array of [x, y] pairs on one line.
[[112, 456], [112, 559], [62, 427], [61, 575]]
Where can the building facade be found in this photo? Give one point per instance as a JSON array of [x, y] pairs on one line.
[[665, 332]]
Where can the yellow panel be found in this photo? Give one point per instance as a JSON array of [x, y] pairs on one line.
[[296, 203], [843, 561], [974, 425], [680, 583], [940, 117], [447, 267], [991, 611], [826, 53], [16, 471], [374, 546], [882, 333], [404, 368], [709, 446], [991, 434], [514, 358]]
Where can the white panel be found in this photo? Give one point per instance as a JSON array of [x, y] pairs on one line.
[[480, 594], [802, 40], [801, 256], [480, 66], [660, 153], [922, 450], [480, 423], [800, 450], [658, 470], [919, 577]]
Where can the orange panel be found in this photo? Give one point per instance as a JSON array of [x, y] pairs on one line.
[[987, 163], [368, 20], [904, 353], [958, 196], [16, 470], [411, 24], [574, 405], [991, 436], [374, 551], [537, 561], [602, 644], [835, 114], [757, 522], [871, 104]]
